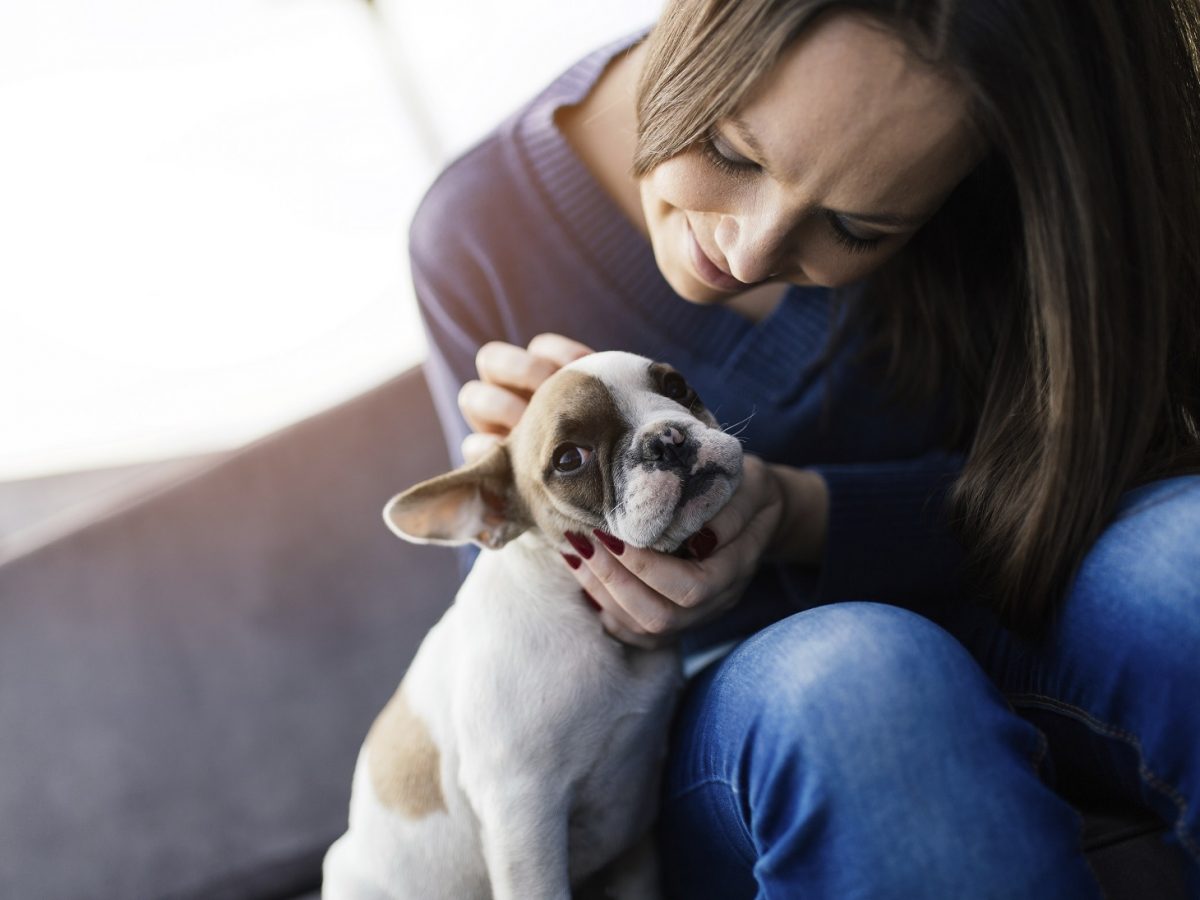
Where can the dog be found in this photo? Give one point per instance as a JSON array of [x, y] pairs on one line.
[[521, 754]]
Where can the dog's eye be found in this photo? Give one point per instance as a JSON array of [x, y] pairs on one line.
[[570, 457], [674, 387]]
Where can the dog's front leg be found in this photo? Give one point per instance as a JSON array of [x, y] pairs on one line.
[[524, 834]]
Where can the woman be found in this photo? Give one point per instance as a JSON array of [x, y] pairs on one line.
[[940, 262]]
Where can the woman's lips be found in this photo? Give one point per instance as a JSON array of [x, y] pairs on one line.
[[707, 270]]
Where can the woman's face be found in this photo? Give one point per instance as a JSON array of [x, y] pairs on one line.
[[831, 164]]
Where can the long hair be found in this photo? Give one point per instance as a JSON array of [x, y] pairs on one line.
[[1056, 294]]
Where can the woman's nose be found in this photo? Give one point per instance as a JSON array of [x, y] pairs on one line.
[[752, 245]]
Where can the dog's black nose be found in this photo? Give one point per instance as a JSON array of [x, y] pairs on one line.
[[668, 446]]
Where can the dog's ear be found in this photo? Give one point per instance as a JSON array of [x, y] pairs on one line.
[[475, 503]]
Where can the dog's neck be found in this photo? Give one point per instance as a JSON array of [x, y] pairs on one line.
[[527, 570]]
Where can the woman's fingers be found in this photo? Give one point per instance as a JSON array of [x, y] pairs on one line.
[[648, 611], [558, 349], [678, 580], [617, 622], [620, 625], [476, 446], [512, 367], [524, 369], [508, 376], [490, 409]]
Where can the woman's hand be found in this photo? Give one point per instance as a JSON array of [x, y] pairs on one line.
[[645, 597], [508, 376]]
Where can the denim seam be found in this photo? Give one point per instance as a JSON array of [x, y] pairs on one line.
[[748, 859], [1052, 704]]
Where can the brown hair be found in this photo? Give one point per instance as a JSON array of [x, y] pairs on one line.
[[1056, 294]]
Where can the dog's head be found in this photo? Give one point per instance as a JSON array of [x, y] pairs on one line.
[[613, 441]]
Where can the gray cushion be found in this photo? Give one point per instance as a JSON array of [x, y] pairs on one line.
[[184, 686]]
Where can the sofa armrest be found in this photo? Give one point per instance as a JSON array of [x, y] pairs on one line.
[[184, 685]]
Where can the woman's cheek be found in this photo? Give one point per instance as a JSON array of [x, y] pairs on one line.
[[686, 182]]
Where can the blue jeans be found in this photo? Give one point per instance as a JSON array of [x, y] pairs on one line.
[[859, 750]]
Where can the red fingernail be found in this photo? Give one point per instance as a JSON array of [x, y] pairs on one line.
[[572, 560], [581, 544], [615, 544], [590, 599], [703, 543]]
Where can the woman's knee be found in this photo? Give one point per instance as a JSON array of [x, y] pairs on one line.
[[1128, 632], [1151, 549], [829, 685], [1137, 590], [871, 661], [828, 728]]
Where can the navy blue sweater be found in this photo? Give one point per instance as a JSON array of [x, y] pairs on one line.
[[516, 237]]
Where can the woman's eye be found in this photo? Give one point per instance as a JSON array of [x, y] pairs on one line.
[[848, 239], [674, 387], [718, 152], [570, 457]]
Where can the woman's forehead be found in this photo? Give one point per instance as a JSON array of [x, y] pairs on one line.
[[850, 114]]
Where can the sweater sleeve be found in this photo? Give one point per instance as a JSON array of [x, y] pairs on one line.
[[454, 295], [889, 536]]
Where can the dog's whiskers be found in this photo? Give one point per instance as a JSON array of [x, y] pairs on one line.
[[740, 426]]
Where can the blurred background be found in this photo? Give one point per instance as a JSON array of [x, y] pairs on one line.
[[209, 354], [203, 206], [207, 350]]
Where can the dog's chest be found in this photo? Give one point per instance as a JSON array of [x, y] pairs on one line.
[[518, 680]]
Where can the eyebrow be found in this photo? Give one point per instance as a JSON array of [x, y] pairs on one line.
[[894, 220], [748, 136]]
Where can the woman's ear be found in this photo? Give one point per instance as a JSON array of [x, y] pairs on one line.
[[476, 503]]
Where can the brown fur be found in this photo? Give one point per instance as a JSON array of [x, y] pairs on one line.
[[584, 413], [403, 761]]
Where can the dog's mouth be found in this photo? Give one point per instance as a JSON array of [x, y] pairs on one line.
[[662, 509], [701, 482], [702, 497]]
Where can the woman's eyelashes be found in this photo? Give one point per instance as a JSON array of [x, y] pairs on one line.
[[725, 158], [728, 161], [852, 242]]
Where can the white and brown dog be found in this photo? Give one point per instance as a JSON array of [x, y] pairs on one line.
[[521, 753]]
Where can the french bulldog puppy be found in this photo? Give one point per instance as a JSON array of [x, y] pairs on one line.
[[522, 752]]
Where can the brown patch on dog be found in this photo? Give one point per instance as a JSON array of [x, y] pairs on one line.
[[403, 761], [573, 407]]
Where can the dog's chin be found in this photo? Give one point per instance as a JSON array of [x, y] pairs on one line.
[[671, 520], [692, 515]]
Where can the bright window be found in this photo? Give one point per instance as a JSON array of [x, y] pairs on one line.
[[203, 203]]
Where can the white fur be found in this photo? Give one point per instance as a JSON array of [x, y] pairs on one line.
[[550, 733], [537, 715]]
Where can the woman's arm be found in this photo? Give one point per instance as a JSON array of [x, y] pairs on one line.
[[888, 533], [872, 531], [799, 538]]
